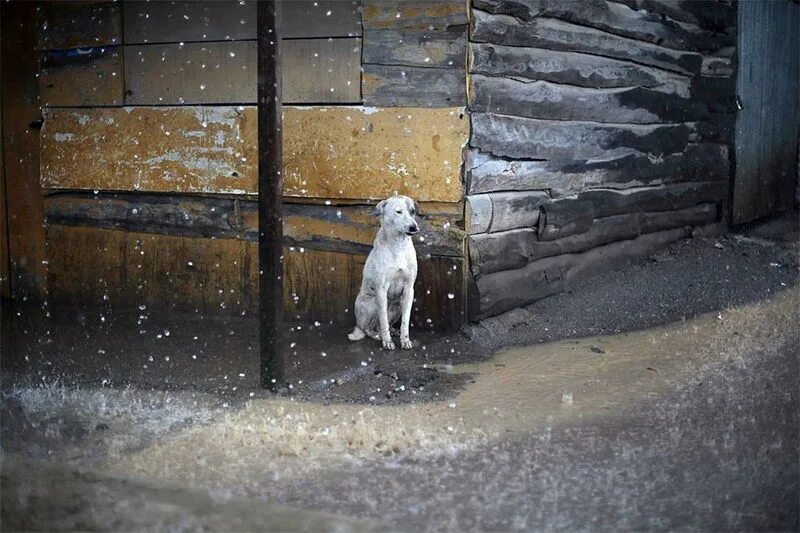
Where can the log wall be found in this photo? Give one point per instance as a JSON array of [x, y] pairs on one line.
[[149, 150], [601, 130]]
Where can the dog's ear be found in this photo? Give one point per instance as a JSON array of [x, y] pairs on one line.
[[378, 211], [413, 206]]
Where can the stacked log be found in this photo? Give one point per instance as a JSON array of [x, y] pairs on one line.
[[614, 117]]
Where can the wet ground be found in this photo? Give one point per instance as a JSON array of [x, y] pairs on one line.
[[689, 425], [692, 425], [219, 354]]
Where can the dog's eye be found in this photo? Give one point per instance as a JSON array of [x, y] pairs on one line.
[[399, 210], [413, 211]]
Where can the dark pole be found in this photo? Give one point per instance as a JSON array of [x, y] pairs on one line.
[[270, 201]]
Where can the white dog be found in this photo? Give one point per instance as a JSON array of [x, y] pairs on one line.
[[387, 289]]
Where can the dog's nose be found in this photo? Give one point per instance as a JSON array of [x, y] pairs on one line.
[[413, 229]]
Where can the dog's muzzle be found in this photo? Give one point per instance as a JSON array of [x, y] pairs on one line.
[[412, 230]]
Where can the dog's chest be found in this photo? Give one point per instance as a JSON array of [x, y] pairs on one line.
[[398, 279]]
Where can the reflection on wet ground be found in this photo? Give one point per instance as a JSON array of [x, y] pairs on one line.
[[694, 424]]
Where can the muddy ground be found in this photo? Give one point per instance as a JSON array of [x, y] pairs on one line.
[[689, 425], [219, 354]]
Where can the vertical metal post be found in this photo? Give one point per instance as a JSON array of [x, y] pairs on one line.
[[270, 201]]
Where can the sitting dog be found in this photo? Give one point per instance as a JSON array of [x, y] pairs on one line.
[[387, 288]]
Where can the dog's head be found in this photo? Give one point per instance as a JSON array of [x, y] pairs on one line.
[[397, 214]]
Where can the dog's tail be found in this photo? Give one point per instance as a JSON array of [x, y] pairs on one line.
[[356, 335]]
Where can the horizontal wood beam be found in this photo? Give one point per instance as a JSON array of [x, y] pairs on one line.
[[509, 250], [571, 68], [554, 101], [698, 162], [554, 34], [506, 290], [617, 19], [349, 229], [574, 214]]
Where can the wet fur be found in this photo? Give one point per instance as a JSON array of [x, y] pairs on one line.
[[387, 287]]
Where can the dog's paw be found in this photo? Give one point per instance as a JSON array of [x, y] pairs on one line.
[[406, 343], [388, 344]]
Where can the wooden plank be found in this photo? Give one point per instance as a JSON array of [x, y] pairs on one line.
[[582, 70], [21, 120], [699, 162], [225, 20], [768, 83], [437, 14], [168, 149], [508, 250], [417, 47], [362, 152], [194, 73], [321, 71], [329, 152], [614, 18], [563, 217], [177, 215], [82, 77], [527, 138], [315, 71], [349, 228], [320, 18], [129, 269], [506, 290], [555, 34], [188, 20], [501, 211], [399, 86], [554, 101], [63, 25]]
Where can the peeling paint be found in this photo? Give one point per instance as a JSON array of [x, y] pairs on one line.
[[329, 152]]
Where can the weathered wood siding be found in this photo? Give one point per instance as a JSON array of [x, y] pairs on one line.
[[149, 138], [414, 53], [129, 269], [600, 130], [329, 152]]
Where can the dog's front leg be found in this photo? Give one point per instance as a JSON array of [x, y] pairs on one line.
[[383, 317], [405, 307]]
